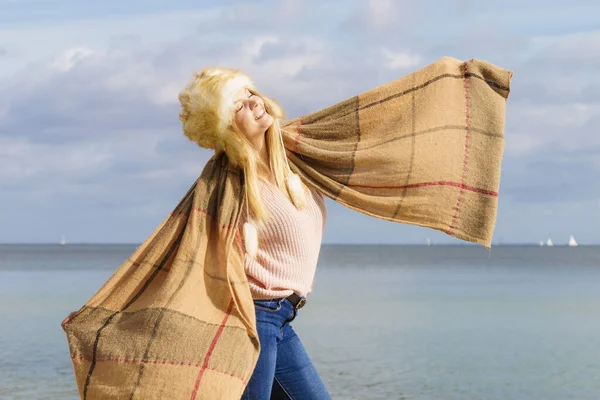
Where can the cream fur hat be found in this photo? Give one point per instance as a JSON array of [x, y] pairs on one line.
[[207, 105]]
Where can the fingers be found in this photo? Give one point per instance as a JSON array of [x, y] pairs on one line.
[[66, 320]]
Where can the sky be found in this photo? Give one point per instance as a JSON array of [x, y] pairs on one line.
[[91, 146]]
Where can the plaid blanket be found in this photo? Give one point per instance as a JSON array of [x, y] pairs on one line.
[[176, 320]]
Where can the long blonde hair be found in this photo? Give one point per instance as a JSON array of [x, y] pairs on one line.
[[254, 167]]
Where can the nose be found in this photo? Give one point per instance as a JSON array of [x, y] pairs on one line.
[[255, 101]]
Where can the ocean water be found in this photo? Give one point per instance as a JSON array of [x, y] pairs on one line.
[[383, 322]]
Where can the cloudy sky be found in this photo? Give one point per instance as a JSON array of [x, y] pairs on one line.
[[91, 146]]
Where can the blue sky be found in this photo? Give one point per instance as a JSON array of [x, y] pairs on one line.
[[91, 146]]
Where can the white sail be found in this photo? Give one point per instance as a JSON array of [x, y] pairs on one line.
[[549, 242], [541, 243], [572, 241], [63, 241]]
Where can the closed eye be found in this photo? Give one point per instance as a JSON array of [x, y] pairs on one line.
[[242, 104]]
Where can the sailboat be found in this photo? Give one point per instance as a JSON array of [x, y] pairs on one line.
[[549, 242], [541, 243], [572, 241], [62, 241]]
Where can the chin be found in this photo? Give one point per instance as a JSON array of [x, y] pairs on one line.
[[266, 121]]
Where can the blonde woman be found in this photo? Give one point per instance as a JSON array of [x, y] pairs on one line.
[[282, 222], [202, 309]]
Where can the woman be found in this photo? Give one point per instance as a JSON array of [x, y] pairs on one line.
[[196, 312], [281, 269]]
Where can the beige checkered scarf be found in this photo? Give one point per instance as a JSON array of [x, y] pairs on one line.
[[176, 320]]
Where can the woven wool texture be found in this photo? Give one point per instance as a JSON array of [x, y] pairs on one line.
[[176, 320]]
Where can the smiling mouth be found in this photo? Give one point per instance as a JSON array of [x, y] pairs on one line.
[[260, 114]]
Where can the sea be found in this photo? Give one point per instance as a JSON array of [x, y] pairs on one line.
[[382, 322]]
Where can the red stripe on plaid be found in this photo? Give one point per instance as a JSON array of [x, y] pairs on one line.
[[161, 362], [438, 183], [238, 240], [467, 137], [237, 231], [210, 350]]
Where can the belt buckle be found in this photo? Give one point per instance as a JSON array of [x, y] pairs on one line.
[[301, 302]]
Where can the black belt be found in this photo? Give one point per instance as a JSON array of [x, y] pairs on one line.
[[296, 300]]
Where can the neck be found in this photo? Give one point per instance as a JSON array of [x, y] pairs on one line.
[[264, 154]]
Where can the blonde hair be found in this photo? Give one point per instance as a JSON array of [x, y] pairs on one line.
[[207, 116]]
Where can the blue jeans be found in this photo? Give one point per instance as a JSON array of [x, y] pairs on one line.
[[284, 370]]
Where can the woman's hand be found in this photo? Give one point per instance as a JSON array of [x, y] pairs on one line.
[[69, 317]]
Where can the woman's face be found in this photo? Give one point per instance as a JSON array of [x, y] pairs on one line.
[[250, 115]]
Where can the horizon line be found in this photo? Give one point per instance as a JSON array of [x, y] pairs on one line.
[[328, 244]]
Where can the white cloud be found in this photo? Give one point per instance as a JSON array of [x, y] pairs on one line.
[[574, 47], [291, 9], [24, 160], [29, 43], [521, 143], [536, 127], [70, 57], [397, 60], [284, 63], [252, 49], [383, 13]]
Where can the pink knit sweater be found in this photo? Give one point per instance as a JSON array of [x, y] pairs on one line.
[[288, 245]]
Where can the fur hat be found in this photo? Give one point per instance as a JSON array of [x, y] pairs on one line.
[[207, 105]]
